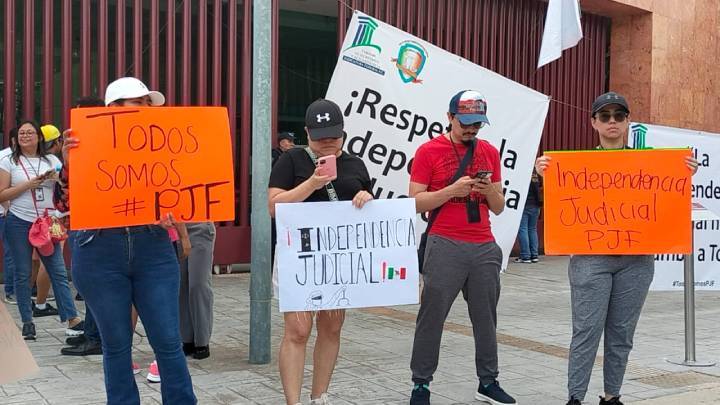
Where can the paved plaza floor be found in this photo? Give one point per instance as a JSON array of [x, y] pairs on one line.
[[533, 334]]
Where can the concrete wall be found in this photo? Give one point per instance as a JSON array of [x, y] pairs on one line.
[[665, 57]]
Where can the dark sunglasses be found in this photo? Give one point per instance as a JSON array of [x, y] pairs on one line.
[[476, 125], [618, 116]]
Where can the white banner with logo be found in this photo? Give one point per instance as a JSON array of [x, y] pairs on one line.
[[394, 90], [706, 191], [331, 255]]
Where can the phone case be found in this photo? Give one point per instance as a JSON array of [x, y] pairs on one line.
[[328, 165]]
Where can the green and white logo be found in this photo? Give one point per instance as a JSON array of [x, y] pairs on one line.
[[639, 132], [364, 33]]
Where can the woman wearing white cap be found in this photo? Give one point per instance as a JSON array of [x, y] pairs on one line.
[[117, 268]]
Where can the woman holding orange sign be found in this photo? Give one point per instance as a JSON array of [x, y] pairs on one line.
[[118, 268], [607, 292]]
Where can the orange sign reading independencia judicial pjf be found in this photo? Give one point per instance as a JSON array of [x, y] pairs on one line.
[[618, 202], [135, 165]]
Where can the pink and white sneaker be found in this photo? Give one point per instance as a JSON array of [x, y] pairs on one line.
[[153, 375], [136, 368]]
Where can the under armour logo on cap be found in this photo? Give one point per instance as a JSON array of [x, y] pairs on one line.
[[609, 98], [323, 119]]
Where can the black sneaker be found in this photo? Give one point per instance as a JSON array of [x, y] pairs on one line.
[[76, 340], [574, 401], [10, 299], [84, 349], [201, 352], [535, 259], [611, 401], [76, 330], [189, 349], [48, 311], [519, 260], [420, 395], [493, 394], [28, 331]]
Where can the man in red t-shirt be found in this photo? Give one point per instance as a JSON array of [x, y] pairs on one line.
[[461, 253]]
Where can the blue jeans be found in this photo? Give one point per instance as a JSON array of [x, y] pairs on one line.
[[119, 267], [16, 232], [92, 334], [8, 264], [528, 233]]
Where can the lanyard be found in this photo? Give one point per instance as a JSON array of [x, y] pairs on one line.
[[36, 172]]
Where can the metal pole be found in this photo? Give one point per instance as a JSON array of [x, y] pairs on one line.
[[689, 270], [689, 288], [259, 216]]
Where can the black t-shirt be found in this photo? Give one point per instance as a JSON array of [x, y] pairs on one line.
[[295, 166], [276, 153]]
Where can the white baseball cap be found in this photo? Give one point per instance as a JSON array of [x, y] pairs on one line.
[[130, 87]]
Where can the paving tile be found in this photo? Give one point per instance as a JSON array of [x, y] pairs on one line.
[[534, 331]]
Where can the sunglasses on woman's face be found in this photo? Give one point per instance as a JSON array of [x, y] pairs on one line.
[[618, 116]]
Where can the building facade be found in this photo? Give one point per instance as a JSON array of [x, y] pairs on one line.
[[662, 54]]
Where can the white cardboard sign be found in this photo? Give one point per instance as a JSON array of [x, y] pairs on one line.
[[331, 255]]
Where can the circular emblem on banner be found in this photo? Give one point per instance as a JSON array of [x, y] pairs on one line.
[[410, 61]]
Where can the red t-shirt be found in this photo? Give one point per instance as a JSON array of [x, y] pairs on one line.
[[435, 164]]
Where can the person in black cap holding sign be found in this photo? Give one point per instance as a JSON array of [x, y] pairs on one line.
[[607, 292], [286, 141], [456, 178], [296, 178]]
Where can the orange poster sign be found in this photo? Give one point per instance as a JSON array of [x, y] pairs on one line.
[[135, 165], [618, 202]]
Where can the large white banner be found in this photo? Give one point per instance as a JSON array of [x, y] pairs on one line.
[[394, 90], [706, 191], [331, 255]]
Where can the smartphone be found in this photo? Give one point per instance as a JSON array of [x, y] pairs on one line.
[[327, 165], [47, 173], [483, 174]]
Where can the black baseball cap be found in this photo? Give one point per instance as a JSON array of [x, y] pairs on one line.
[[608, 98], [286, 135], [324, 119]]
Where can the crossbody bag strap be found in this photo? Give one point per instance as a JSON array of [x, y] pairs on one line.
[[32, 191], [332, 195], [459, 173]]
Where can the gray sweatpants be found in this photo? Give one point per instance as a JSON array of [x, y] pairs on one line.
[[196, 295], [607, 295], [450, 267]]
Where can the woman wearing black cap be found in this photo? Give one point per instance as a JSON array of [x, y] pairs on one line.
[[607, 292], [295, 178]]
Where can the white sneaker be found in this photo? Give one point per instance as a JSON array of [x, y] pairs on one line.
[[323, 400]]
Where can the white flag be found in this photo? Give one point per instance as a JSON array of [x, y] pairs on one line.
[[562, 30]]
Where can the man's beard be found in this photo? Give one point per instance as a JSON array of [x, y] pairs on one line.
[[469, 141]]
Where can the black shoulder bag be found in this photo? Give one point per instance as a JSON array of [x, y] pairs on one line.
[[434, 213]]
